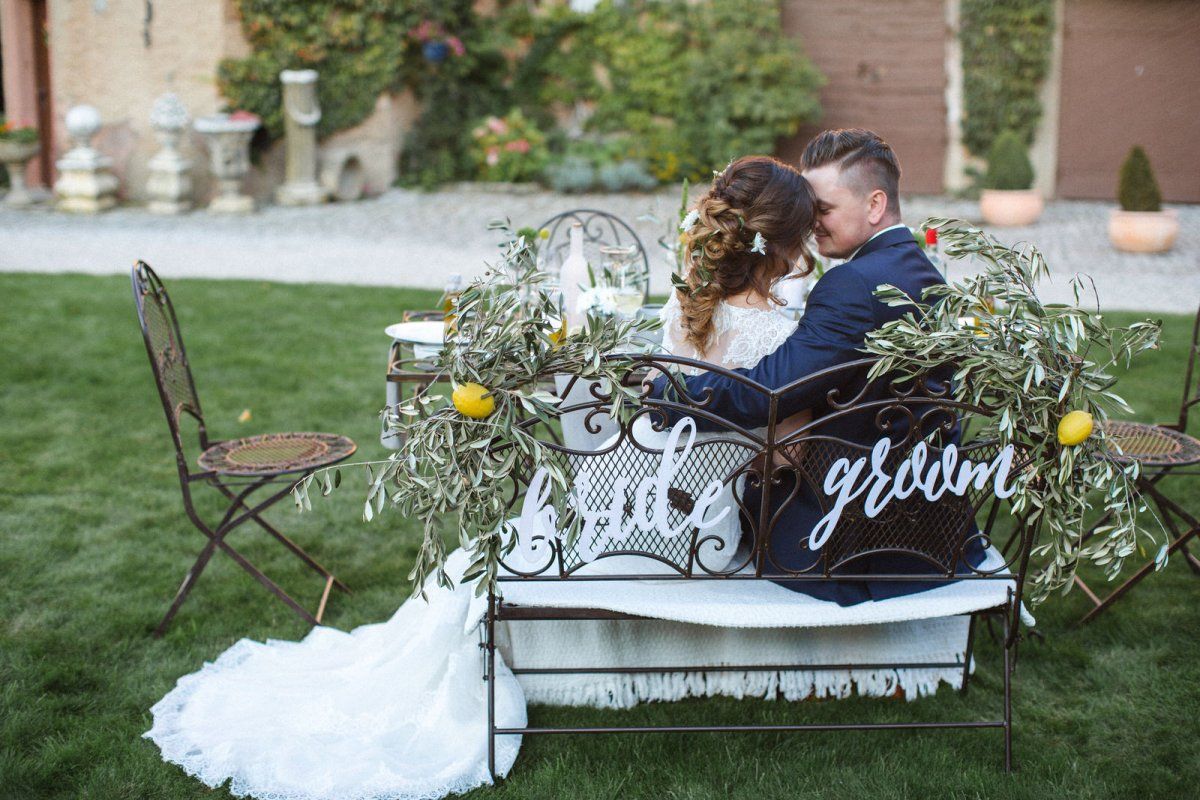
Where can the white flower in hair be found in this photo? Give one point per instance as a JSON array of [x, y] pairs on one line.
[[691, 219], [722, 172], [760, 245]]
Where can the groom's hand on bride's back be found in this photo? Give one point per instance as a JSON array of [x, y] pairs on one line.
[[836, 320]]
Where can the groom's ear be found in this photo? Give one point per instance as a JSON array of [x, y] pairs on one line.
[[877, 206]]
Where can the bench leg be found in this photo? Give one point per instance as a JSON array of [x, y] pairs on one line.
[[1009, 644], [966, 678], [490, 655]]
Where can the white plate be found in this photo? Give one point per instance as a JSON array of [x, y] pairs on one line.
[[424, 332]]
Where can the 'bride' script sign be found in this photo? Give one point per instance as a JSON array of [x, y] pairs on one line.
[[846, 481], [539, 521]]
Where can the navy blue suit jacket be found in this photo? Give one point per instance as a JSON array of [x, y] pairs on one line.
[[841, 310]]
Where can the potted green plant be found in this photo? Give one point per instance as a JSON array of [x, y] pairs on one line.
[[18, 144], [1008, 196], [1141, 225]]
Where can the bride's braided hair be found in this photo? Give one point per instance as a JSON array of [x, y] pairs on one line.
[[754, 195]]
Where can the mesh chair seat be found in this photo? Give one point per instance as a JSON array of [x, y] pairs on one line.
[[275, 453], [1152, 445]]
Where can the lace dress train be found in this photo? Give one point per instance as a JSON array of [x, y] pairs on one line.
[[389, 711]]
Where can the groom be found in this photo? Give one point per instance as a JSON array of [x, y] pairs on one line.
[[856, 179]]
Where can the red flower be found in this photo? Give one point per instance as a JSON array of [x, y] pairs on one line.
[[931, 236]]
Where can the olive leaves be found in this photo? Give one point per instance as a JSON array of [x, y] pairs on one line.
[[1033, 362], [456, 474]]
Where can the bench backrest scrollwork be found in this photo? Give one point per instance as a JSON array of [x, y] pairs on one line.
[[877, 476]]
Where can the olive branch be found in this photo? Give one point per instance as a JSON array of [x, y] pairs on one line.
[[456, 472], [1032, 362]]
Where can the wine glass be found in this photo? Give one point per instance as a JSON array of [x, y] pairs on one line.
[[626, 279]]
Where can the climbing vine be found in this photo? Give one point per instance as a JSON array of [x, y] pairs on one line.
[[1006, 47], [688, 84]]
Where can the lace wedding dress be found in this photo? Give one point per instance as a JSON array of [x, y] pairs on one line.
[[390, 710]]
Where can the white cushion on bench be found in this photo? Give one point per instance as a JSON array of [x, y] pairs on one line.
[[758, 603]]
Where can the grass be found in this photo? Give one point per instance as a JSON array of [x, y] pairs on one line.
[[93, 543]]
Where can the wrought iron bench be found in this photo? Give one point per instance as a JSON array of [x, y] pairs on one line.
[[767, 470]]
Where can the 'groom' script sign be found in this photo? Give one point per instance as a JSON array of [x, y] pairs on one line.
[[649, 512], [845, 481]]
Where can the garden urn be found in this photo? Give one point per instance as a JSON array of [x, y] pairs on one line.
[[15, 156], [228, 139]]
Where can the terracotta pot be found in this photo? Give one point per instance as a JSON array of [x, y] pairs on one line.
[[1011, 207], [1143, 231]]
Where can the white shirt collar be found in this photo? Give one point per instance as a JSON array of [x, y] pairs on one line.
[[878, 233]]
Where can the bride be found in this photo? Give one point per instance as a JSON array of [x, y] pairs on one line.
[[397, 709]]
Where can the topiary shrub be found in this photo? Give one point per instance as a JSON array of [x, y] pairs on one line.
[[622, 176], [1137, 189], [571, 174], [1008, 164]]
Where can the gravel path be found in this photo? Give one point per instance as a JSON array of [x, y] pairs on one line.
[[413, 238]]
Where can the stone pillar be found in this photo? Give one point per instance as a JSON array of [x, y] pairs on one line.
[[301, 113], [86, 184], [954, 171], [228, 138], [170, 183], [1044, 150]]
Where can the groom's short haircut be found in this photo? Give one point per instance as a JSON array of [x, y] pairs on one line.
[[877, 167]]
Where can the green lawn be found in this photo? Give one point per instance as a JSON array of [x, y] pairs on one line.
[[93, 543]]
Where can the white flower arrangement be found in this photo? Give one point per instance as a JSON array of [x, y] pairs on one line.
[[597, 299], [760, 245]]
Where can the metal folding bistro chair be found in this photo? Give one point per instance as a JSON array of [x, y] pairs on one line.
[[600, 229], [237, 468], [1161, 450]]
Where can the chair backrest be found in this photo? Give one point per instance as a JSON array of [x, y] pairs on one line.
[[927, 528], [168, 359], [600, 229], [1191, 381]]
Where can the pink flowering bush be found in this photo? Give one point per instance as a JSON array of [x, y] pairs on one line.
[[509, 148]]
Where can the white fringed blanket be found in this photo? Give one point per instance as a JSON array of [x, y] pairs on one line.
[[739, 622]]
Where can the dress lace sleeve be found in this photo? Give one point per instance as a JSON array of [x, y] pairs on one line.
[[671, 328]]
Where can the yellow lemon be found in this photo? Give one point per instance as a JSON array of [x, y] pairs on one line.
[[559, 333], [1074, 428], [473, 400]]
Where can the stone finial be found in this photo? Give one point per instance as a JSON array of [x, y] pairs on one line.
[[86, 183], [83, 122], [170, 181], [168, 113]]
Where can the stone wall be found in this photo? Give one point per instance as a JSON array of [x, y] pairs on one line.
[[99, 56]]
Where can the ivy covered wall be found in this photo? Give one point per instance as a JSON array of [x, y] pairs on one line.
[[1006, 46], [681, 86]]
